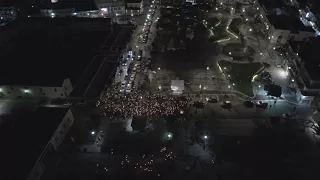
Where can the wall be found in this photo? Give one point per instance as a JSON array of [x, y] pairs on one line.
[[137, 5], [36, 91], [37, 171], [57, 12], [62, 130], [59, 135]]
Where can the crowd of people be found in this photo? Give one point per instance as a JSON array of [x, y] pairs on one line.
[[143, 103]]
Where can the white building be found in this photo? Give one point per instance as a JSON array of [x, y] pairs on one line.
[[305, 72], [111, 7], [67, 8], [282, 28], [42, 133], [47, 90], [134, 7]]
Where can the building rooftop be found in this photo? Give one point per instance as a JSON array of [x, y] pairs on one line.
[[133, 1], [29, 134], [271, 4], [291, 23], [79, 5], [45, 51], [309, 53]]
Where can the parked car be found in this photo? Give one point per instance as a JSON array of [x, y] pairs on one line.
[[261, 104], [213, 100], [226, 105], [249, 104], [198, 104], [289, 116]]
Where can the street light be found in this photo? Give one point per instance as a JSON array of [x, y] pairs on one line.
[[250, 29], [159, 68], [92, 132], [208, 68], [205, 137]]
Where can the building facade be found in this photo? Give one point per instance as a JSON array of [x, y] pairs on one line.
[[134, 7], [45, 92], [112, 7], [66, 121]]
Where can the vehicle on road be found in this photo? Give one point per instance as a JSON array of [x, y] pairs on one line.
[[128, 90], [198, 104], [226, 105], [81, 103], [249, 104], [123, 84], [212, 100], [260, 104], [290, 116]]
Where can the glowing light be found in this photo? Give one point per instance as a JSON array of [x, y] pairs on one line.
[[282, 73], [159, 68], [92, 132], [254, 77], [250, 29], [206, 137], [208, 68]]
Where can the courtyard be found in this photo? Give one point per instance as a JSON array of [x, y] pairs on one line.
[[240, 75]]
